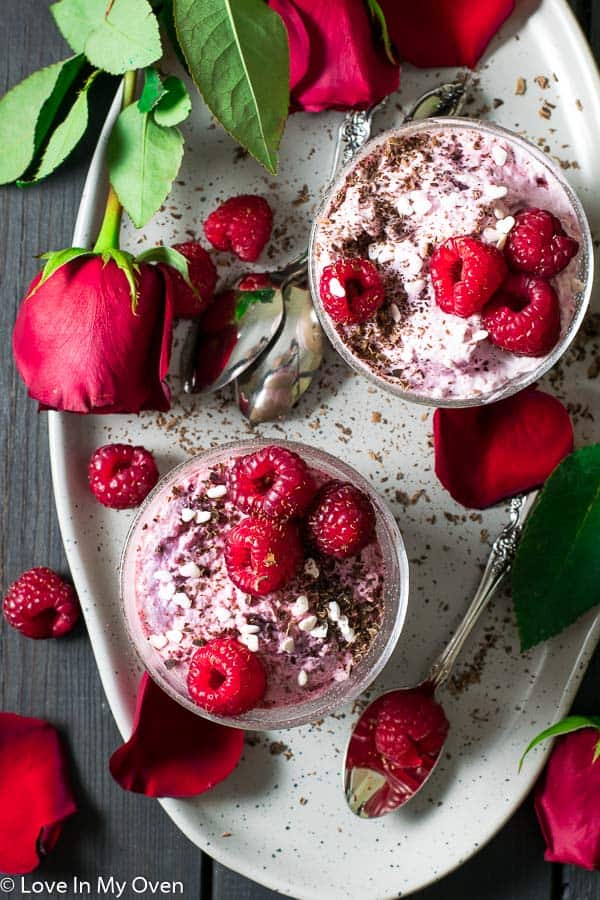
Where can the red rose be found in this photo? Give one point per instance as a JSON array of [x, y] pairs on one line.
[[335, 62], [443, 32], [79, 346], [567, 801]]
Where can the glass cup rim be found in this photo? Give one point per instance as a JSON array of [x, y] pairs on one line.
[[309, 710], [514, 385]]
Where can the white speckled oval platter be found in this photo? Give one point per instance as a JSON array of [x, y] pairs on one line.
[[281, 819]]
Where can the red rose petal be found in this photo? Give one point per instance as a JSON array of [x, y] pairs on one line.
[[35, 794], [444, 32], [567, 800], [335, 60], [172, 752], [484, 454]]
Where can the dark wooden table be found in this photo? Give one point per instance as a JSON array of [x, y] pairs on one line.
[[118, 833]]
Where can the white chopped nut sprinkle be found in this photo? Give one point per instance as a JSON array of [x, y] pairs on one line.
[[222, 614], [343, 623], [181, 599], [174, 636], [301, 605], [320, 632], [349, 635], [162, 575], [251, 641], [158, 641], [503, 226], [166, 591], [395, 312], [336, 288], [302, 678], [311, 568], [219, 490], [499, 213], [501, 242], [287, 645], [490, 235], [499, 155], [333, 610], [203, 516], [187, 514], [190, 570], [497, 191], [480, 335], [246, 628], [308, 623]]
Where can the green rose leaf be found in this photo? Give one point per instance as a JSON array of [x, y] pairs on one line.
[[238, 56], [170, 257], [143, 160], [28, 111], [378, 17], [246, 299], [175, 104], [115, 35], [556, 572], [66, 137], [152, 91], [566, 726]]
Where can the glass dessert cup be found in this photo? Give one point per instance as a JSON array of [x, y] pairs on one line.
[[582, 274], [364, 671]]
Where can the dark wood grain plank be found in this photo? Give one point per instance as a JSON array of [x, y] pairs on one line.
[[114, 832]]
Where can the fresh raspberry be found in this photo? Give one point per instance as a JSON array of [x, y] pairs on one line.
[[121, 475], [410, 724], [41, 605], [225, 677], [341, 521], [465, 273], [273, 482], [351, 290], [262, 555], [255, 281], [524, 316], [392, 742], [538, 244], [241, 224], [203, 276]]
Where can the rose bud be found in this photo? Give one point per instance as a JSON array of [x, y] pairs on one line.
[[336, 60], [81, 345], [567, 800]]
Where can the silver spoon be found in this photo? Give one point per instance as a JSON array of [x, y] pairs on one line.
[[212, 360], [269, 388], [373, 785]]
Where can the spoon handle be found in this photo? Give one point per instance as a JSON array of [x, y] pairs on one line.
[[498, 566]]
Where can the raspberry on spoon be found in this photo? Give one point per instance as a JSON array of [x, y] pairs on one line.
[[341, 521], [465, 273], [121, 476], [203, 276], [273, 482], [225, 677], [538, 244], [410, 724], [351, 290], [41, 605], [241, 224], [524, 316], [262, 555]]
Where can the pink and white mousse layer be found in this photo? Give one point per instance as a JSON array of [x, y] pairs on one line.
[[395, 206], [307, 635]]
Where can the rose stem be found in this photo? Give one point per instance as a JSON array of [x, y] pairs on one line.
[[108, 238]]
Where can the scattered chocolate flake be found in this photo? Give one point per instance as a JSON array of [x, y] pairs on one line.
[[520, 86], [278, 748], [375, 417], [303, 196], [542, 82], [226, 834], [496, 102], [579, 104], [303, 801]]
